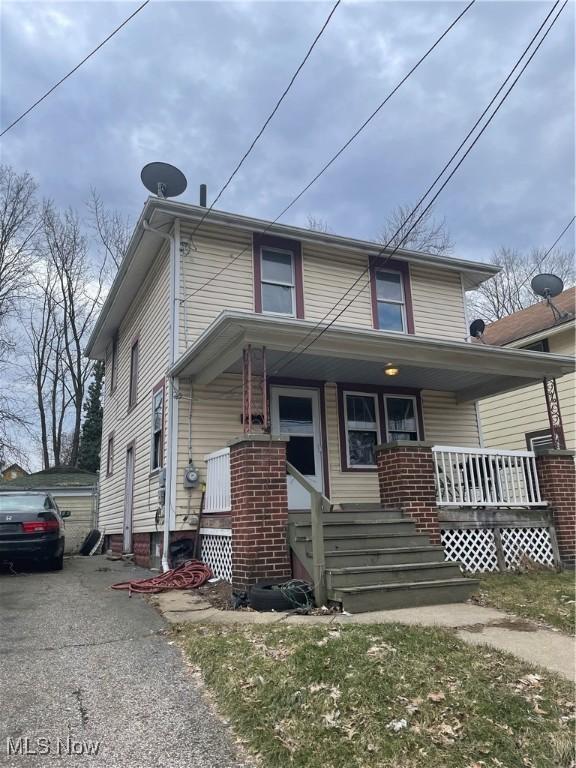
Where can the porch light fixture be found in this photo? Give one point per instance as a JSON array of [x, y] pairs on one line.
[[391, 370]]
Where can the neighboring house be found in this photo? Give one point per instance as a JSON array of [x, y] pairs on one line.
[[520, 419], [12, 471], [205, 337], [73, 490]]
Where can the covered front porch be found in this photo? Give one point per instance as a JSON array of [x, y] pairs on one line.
[[331, 400]]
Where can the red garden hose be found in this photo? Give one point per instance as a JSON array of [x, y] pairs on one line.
[[189, 575]]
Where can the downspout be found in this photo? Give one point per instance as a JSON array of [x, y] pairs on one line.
[[170, 501]]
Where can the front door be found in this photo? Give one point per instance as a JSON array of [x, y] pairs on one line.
[[128, 500], [296, 412]]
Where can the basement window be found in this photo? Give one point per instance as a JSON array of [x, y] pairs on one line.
[[362, 429]]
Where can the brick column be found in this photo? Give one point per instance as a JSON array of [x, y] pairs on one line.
[[557, 478], [406, 480], [259, 515]]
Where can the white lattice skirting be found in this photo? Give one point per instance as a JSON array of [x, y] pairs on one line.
[[476, 548], [216, 551]]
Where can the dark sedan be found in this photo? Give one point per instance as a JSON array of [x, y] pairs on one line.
[[31, 528]]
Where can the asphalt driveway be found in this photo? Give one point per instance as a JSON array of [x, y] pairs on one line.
[[85, 667]]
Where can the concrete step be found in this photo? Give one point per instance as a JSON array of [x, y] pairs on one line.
[[391, 574], [394, 555], [376, 597], [360, 526], [363, 541], [345, 516]]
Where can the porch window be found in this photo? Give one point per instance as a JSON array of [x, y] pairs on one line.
[[278, 282], [362, 429], [133, 386], [390, 301], [158, 427], [401, 418]]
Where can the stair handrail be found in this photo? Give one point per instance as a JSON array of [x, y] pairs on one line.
[[318, 504]]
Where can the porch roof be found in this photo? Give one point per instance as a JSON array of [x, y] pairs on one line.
[[358, 355]]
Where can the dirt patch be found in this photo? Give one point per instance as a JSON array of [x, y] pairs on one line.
[[516, 625], [218, 594]]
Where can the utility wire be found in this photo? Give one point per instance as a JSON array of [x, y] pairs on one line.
[[560, 236], [268, 119], [279, 367], [334, 157], [84, 60]]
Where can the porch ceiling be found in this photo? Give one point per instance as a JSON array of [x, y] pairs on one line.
[[356, 355]]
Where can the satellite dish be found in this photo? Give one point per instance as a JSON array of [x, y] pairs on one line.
[[163, 179], [477, 328], [547, 286]]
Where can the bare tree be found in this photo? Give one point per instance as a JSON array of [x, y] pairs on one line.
[[112, 230], [416, 230], [317, 225], [509, 291]]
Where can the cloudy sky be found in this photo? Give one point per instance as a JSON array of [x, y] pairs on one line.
[[190, 83]]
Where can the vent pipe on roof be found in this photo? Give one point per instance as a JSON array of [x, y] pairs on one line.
[[203, 195]]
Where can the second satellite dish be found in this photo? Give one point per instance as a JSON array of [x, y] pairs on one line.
[[547, 285], [163, 179], [477, 328]]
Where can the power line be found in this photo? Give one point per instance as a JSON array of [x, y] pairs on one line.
[[560, 236], [334, 157], [110, 36], [468, 150], [268, 119]]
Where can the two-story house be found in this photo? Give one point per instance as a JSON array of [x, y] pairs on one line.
[[238, 328]]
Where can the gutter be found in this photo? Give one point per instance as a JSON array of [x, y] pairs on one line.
[[170, 492]]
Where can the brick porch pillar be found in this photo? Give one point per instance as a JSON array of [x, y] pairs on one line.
[[259, 515], [557, 478], [406, 480]]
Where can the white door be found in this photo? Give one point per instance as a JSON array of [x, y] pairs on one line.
[[296, 412], [128, 500]]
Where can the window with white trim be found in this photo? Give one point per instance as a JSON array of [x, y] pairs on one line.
[[158, 428], [401, 418], [278, 282], [362, 428], [110, 456], [390, 300]]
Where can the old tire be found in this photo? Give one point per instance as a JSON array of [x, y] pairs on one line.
[[89, 542], [266, 596]]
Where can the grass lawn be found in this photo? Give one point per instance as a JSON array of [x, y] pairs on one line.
[[541, 595], [381, 696]]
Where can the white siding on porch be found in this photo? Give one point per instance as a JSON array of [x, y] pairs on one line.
[[447, 422]]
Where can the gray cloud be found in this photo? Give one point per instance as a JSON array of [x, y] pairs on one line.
[[191, 82]]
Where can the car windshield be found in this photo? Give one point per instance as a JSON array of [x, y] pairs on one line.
[[25, 503]]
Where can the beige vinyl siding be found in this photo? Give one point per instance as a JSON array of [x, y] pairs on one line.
[[148, 318], [447, 422], [438, 303], [82, 508], [507, 418], [207, 253]]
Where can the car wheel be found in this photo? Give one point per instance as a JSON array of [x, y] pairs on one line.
[[56, 563]]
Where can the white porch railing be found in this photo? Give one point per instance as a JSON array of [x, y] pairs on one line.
[[471, 477], [217, 498]]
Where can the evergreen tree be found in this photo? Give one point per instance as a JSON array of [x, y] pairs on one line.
[[89, 452]]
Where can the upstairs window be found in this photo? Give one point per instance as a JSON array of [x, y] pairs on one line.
[[401, 418], [114, 364], [110, 456], [158, 427], [278, 285], [390, 301], [538, 346], [133, 384], [361, 428]]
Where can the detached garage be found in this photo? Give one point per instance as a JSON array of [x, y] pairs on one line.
[[73, 489]]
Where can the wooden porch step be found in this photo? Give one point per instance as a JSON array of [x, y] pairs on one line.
[[345, 515], [364, 541], [375, 597], [344, 528], [344, 558], [391, 574]]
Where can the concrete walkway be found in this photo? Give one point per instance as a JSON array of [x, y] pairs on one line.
[[474, 624]]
